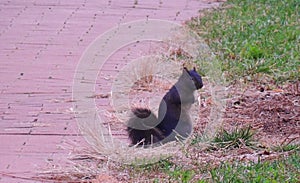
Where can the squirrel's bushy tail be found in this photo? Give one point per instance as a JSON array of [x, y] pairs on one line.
[[142, 127]]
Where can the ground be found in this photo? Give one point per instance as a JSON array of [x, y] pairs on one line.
[[41, 46]]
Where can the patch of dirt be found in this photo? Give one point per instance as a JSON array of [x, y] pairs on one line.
[[273, 114]]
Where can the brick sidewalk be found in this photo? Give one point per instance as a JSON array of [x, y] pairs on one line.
[[40, 45]]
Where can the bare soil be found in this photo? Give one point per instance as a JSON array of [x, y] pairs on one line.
[[274, 114]]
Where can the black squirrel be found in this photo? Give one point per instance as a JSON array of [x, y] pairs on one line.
[[173, 122]]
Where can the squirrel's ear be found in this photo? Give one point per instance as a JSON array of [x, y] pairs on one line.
[[185, 70]]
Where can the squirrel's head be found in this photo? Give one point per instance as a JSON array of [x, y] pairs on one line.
[[194, 76]]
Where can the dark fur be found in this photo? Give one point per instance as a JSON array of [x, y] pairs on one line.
[[173, 119]]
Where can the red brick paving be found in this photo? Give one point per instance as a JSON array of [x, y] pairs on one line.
[[40, 45]]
